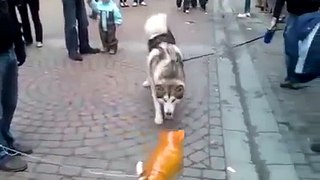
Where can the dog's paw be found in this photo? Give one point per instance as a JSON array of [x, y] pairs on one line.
[[158, 120], [146, 83]]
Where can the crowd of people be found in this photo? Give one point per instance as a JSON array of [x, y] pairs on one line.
[[14, 37]]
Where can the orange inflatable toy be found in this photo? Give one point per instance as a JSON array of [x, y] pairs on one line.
[[166, 161]]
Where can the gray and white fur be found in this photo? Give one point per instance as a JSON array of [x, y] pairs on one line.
[[166, 76]]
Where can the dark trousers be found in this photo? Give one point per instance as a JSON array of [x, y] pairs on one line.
[[74, 11], [193, 3], [8, 95], [34, 7], [108, 38], [126, 1]]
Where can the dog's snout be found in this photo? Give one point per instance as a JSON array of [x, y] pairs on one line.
[[169, 113]]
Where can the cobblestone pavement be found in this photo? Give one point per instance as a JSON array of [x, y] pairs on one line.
[[297, 112], [96, 114]]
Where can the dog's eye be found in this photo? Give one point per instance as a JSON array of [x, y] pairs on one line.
[[159, 91], [179, 89]]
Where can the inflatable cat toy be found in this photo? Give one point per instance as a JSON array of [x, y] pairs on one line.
[[166, 161]]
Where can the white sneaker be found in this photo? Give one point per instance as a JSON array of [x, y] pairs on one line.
[[39, 45], [143, 3], [187, 11], [135, 4], [244, 15]]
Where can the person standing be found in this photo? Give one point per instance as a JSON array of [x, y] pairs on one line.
[[295, 8], [34, 7], [247, 9], [75, 15], [11, 50]]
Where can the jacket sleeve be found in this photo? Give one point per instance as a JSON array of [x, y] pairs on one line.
[[117, 15], [278, 8]]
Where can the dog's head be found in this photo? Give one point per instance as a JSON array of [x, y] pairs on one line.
[[169, 95]]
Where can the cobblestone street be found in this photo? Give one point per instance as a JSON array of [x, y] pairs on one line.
[[96, 114]]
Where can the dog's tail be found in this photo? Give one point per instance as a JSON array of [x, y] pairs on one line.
[[156, 24]]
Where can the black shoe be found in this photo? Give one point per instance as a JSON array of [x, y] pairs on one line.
[[75, 56], [13, 164], [89, 51], [21, 148], [315, 147], [290, 85]]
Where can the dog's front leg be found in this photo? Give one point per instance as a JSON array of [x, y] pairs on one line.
[[157, 107]]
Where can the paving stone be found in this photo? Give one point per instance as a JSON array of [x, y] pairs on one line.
[[191, 172], [75, 161], [47, 168], [218, 163], [198, 156], [213, 174], [83, 150], [70, 171], [61, 151], [298, 158], [71, 144], [48, 177]]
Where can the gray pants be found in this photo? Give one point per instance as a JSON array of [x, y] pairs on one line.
[[74, 12]]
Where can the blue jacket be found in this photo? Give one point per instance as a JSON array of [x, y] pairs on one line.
[[305, 24], [105, 8]]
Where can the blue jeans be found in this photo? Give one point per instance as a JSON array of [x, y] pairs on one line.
[[8, 96], [247, 6], [75, 14], [291, 53]]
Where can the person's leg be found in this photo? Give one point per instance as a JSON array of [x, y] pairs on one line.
[[194, 3], [70, 30], [142, 3], [8, 87], [203, 4], [83, 24], [247, 6], [112, 40], [178, 3], [23, 11], [186, 6], [103, 38], [35, 8]]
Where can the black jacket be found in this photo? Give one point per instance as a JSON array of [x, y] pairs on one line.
[[296, 7], [10, 32]]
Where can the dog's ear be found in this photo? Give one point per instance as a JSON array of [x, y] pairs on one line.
[[179, 91], [160, 91]]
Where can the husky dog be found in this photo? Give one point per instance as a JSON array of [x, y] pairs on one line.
[[166, 76]]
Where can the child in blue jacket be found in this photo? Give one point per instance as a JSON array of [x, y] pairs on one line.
[[110, 17]]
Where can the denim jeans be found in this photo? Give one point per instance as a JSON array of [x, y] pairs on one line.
[[291, 61], [8, 96], [247, 6], [74, 12]]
